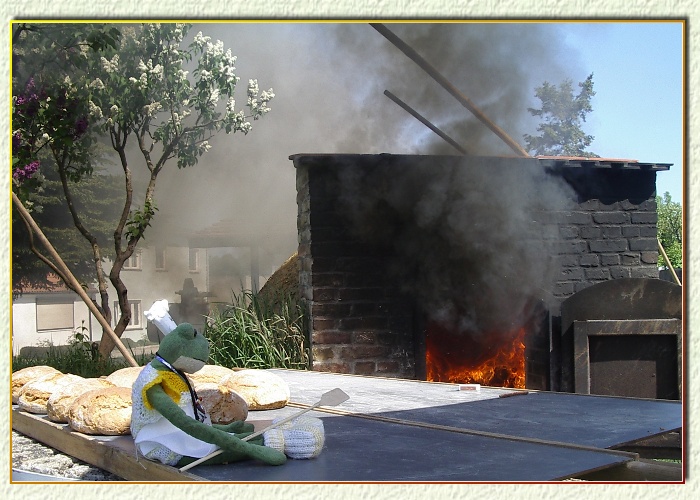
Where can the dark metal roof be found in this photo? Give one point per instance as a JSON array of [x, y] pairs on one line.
[[546, 161], [613, 163]]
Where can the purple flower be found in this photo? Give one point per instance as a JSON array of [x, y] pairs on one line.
[[16, 140], [22, 174], [81, 126]]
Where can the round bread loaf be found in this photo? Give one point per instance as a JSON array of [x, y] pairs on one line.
[[125, 377], [60, 401], [26, 375], [262, 390], [209, 374], [105, 412], [221, 403], [35, 395]]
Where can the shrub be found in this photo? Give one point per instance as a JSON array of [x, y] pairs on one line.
[[79, 357]]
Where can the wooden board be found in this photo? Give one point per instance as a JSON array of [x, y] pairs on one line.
[[115, 454]]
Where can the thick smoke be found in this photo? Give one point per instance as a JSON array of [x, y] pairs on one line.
[[329, 81], [465, 239]]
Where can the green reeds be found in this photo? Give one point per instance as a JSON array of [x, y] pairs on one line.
[[253, 332]]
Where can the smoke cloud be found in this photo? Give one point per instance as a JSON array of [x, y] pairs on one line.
[[329, 81], [465, 238]]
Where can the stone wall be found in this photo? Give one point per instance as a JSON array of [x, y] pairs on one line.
[[359, 321]]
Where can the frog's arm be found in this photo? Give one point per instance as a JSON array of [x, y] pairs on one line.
[[160, 401]]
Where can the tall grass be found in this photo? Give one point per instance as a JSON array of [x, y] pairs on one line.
[[253, 332]]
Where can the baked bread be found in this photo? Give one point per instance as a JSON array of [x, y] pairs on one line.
[[25, 375], [105, 412], [262, 390], [35, 395], [222, 404], [60, 401], [209, 374], [124, 377]]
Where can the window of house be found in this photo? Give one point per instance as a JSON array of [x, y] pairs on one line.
[[160, 257], [136, 320], [53, 314], [133, 262], [194, 259]]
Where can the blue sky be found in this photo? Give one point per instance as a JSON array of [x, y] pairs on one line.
[[638, 107]]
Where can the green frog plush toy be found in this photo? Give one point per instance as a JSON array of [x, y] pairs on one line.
[[169, 425]]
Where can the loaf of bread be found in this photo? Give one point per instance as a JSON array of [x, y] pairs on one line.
[[34, 396], [26, 375], [262, 390], [209, 374], [222, 404], [104, 412], [124, 377], [59, 403]]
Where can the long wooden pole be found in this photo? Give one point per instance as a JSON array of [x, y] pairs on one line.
[[466, 102], [425, 122], [668, 262], [73, 281]]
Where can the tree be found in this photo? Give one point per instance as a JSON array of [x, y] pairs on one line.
[[43, 57], [562, 113], [97, 196], [670, 230], [138, 93]]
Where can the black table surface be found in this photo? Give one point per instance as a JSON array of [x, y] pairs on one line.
[[403, 431]]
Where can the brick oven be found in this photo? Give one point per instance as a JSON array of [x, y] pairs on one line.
[[400, 252]]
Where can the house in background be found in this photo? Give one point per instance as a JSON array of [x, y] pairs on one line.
[[41, 317], [152, 273], [190, 269]]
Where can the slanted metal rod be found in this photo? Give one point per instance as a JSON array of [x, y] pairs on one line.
[[425, 122], [466, 102]]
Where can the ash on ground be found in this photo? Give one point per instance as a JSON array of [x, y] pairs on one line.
[[31, 456]]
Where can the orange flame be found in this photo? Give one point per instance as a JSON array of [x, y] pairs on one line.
[[494, 360]]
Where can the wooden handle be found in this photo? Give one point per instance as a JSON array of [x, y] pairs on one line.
[[330, 398]]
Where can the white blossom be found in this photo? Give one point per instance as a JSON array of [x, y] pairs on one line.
[[95, 110], [205, 75], [110, 66], [253, 88], [201, 40], [152, 109], [230, 105], [97, 84], [214, 98], [157, 71]]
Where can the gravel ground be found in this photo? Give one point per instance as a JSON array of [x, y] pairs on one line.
[[31, 456]]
